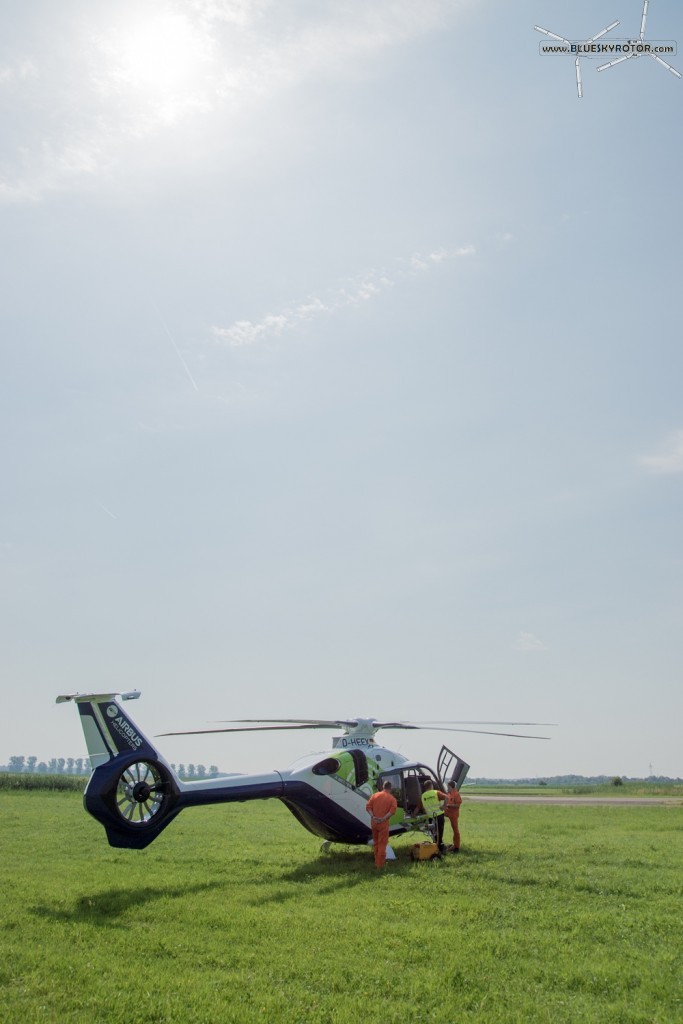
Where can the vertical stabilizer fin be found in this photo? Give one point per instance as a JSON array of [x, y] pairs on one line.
[[108, 729]]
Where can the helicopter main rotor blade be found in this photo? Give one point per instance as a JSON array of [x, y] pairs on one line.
[[248, 728], [552, 35], [603, 33], [665, 65], [628, 56], [316, 723], [480, 732], [320, 723], [337, 723], [461, 721], [291, 724], [643, 19]]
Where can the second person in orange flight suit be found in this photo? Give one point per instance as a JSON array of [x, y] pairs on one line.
[[452, 811], [380, 807]]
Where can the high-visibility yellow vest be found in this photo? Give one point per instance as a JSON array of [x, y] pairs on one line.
[[431, 802]]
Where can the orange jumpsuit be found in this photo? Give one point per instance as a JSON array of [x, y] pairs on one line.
[[452, 811], [378, 806]]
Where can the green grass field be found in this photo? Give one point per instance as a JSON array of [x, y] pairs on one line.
[[553, 914]]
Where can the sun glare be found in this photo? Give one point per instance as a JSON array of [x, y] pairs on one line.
[[160, 60], [156, 54]]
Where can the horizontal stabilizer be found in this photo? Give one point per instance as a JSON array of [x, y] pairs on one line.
[[79, 697]]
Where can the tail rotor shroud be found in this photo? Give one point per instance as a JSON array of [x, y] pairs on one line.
[[140, 793]]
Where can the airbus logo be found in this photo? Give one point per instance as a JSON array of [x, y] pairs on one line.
[[126, 731], [112, 711]]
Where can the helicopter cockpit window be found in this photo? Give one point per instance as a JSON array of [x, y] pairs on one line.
[[350, 768], [360, 764], [330, 766], [407, 786], [396, 785], [413, 793]]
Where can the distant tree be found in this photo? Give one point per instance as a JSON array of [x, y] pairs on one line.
[[16, 763], [190, 771], [543, 782], [60, 765], [42, 767], [173, 768], [52, 765], [201, 771], [31, 763], [78, 763], [70, 765], [213, 769], [181, 770], [617, 781]]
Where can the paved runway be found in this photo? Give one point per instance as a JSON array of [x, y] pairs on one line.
[[599, 801]]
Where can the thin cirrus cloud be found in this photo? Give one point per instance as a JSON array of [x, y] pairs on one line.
[[529, 642], [668, 460], [362, 289]]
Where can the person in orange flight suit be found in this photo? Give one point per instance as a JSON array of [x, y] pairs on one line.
[[452, 811], [380, 807]]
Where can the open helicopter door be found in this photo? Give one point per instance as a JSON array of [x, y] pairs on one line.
[[451, 768]]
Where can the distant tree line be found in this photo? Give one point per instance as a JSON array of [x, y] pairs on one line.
[[195, 771], [81, 766], [572, 780], [55, 766]]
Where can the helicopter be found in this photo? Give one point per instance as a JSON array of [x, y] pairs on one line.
[[135, 793]]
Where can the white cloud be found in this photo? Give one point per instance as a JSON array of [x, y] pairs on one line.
[[668, 460], [361, 289], [529, 642], [20, 71]]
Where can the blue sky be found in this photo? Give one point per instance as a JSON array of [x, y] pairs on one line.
[[341, 375]]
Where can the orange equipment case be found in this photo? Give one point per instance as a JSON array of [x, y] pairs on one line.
[[424, 851]]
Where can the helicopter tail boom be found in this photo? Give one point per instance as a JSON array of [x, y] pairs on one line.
[[133, 791]]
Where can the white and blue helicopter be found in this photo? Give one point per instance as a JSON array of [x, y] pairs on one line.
[[134, 793]]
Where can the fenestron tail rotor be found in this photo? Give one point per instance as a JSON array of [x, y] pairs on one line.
[[140, 793]]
